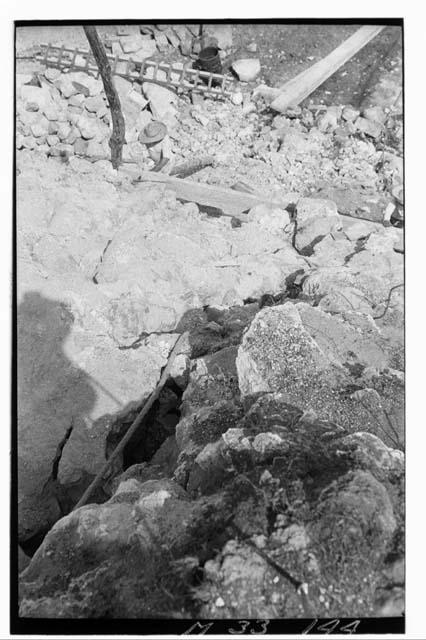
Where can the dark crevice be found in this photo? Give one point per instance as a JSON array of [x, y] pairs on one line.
[[293, 237], [291, 209], [59, 451], [197, 576], [94, 279], [396, 219], [158, 425], [64, 497], [294, 283], [309, 249], [215, 212], [359, 246], [61, 497], [271, 517], [270, 300], [30, 546], [292, 291], [52, 491], [143, 336]]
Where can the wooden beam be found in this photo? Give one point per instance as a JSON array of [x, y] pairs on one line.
[[300, 87], [232, 203]]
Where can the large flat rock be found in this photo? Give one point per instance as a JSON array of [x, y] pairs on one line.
[[315, 358]]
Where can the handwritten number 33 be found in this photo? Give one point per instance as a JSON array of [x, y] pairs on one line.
[[245, 623]]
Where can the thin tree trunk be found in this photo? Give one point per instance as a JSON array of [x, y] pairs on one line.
[[116, 140]]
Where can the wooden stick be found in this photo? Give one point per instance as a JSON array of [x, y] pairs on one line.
[[135, 424], [231, 202], [300, 87], [116, 140]]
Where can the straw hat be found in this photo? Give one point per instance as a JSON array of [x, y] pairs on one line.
[[153, 132]]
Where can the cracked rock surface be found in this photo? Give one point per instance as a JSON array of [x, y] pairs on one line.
[[279, 437], [321, 500], [103, 285]]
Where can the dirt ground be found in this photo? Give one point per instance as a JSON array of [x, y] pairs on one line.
[[286, 50]]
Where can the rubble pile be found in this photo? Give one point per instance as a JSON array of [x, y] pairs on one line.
[[297, 152], [321, 500], [350, 156], [138, 42], [66, 114], [281, 430]]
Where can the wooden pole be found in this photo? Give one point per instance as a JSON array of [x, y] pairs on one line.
[[135, 424], [117, 138], [300, 87]]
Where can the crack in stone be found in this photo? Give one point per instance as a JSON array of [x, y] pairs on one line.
[[143, 336], [59, 451], [94, 279]]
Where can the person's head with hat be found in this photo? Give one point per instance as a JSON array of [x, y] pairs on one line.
[[158, 144], [153, 133]]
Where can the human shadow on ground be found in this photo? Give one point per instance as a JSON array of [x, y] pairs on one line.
[[54, 396]]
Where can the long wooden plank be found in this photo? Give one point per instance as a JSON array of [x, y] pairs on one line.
[[232, 203], [300, 87]]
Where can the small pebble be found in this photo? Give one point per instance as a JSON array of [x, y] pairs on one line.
[[237, 98], [260, 541], [265, 477]]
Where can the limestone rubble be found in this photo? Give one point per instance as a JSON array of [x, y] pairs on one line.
[[285, 412]]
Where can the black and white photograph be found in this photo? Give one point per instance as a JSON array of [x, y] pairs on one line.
[[208, 431]]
